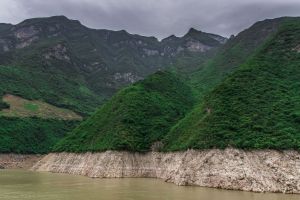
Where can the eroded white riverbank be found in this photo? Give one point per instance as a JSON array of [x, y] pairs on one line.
[[16, 161], [259, 171]]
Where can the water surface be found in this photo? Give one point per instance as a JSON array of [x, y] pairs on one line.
[[25, 185]]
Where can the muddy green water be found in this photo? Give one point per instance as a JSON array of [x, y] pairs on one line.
[[24, 185]]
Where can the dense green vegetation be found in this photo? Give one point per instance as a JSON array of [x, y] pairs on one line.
[[61, 62], [245, 94], [53, 88], [31, 135], [3, 105], [135, 118], [229, 57], [256, 107], [233, 98]]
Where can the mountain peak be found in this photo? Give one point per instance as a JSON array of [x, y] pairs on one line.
[[170, 38], [59, 19], [193, 31], [205, 38]]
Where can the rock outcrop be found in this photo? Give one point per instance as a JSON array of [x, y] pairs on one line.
[[18, 161], [259, 171]]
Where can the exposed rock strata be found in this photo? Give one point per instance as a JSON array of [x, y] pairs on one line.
[[15, 161], [259, 171]]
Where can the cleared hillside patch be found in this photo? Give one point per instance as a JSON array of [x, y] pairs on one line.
[[20, 107]]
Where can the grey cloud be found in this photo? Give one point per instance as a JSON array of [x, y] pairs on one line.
[[160, 18]]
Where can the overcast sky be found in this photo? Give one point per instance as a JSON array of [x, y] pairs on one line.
[[159, 18]]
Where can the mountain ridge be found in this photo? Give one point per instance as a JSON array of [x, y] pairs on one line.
[[102, 61], [60, 18], [67, 65], [256, 107], [211, 97]]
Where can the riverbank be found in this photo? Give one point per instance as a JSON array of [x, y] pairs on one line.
[[258, 171], [18, 161]]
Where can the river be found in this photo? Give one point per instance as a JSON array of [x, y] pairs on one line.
[[27, 185]]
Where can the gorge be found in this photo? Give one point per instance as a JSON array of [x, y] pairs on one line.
[[196, 110]]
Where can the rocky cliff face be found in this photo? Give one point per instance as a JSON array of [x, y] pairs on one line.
[[259, 171], [13, 161]]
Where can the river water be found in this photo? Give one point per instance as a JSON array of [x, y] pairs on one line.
[[25, 185]]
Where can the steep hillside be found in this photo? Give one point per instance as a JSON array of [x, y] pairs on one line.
[[230, 56], [31, 135], [75, 67], [59, 69], [54, 88], [135, 119], [104, 131], [256, 107]]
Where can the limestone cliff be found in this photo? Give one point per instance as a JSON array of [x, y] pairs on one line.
[[259, 171]]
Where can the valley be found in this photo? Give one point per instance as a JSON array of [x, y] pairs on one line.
[[197, 110]]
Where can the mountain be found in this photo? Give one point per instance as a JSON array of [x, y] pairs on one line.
[[135, 118], [256, 107], [54, 72], [130, 121], [230, 56], [76, 67]]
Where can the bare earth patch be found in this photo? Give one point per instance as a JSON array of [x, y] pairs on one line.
[[20, 107]]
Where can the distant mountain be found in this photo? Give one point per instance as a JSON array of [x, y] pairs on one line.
[[80, 67], [247, 80]]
